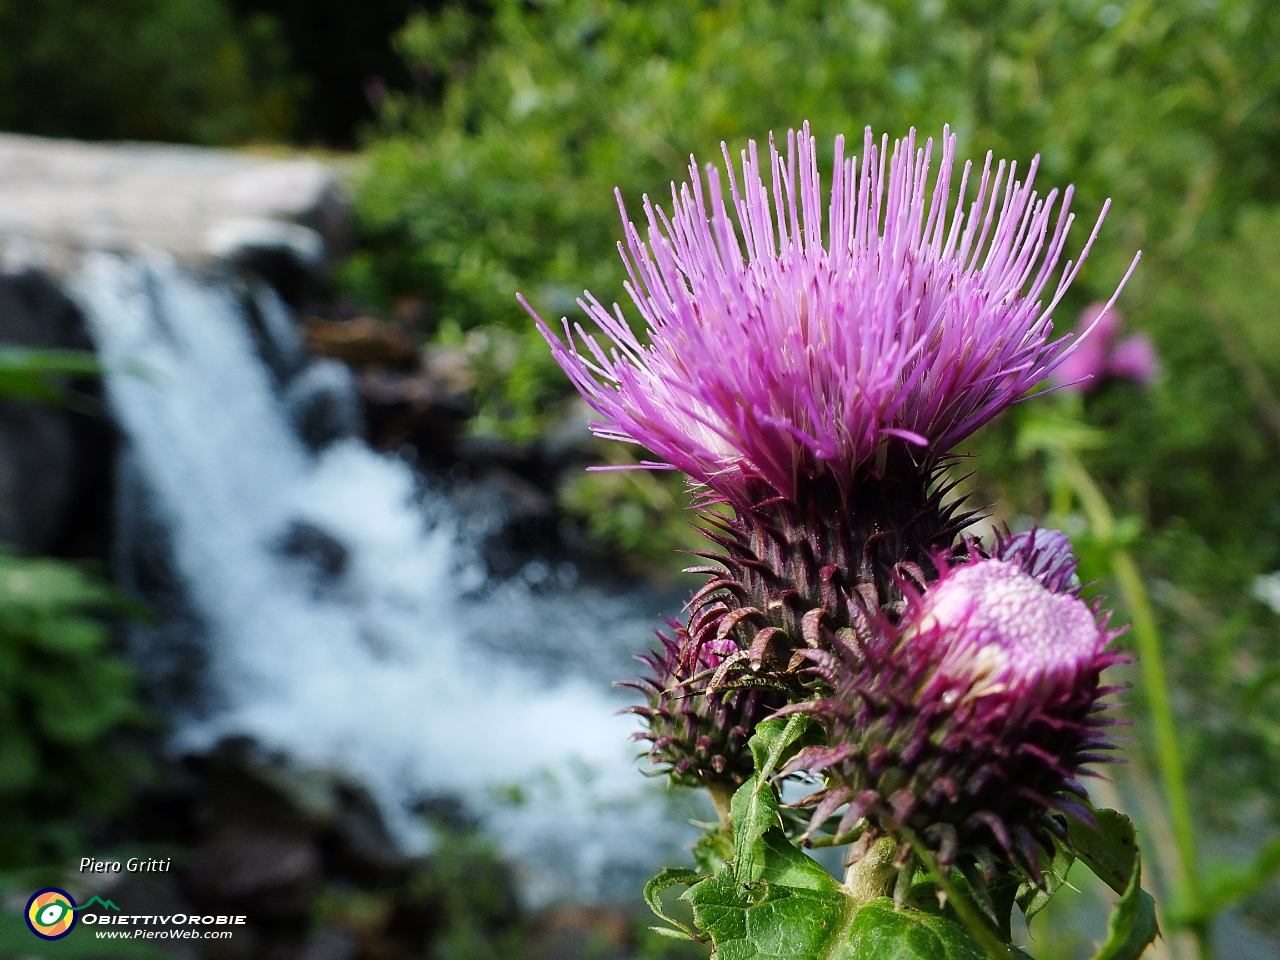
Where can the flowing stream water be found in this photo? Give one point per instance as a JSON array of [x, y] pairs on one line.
[[398, 666]]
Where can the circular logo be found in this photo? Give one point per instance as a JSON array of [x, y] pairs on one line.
[[51, 913]]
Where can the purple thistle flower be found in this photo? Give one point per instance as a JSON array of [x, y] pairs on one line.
[[969, 720], [1098, 355], [775, 357], [1042, 553]]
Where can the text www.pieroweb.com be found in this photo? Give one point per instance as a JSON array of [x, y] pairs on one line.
[[154, 927]]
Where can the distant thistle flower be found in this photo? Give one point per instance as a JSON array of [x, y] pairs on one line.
[[969, 719], [814, 385], [1099, 355]]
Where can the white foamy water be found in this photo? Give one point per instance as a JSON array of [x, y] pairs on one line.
[[382, 674]]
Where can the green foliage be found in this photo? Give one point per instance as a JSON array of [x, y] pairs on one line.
[[62, 692], [62, 696], [144, 69], [467, 878], [793, 908], [1132, 927], [772, 900], [27, 374], [504, 182], [883, 933], [1109, 847], [16, 941], [642, 512]]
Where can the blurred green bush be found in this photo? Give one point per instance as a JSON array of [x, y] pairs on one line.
[[62, 695], [498, 178], [65, 696], [184, 70]]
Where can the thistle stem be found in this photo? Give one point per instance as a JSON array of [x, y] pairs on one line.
[[1156, 686], [872, 874], [722, 800]]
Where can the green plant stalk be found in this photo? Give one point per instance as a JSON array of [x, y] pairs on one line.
[[1156, 685], [722, 799]]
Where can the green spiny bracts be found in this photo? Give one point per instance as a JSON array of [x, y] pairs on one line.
[[697, 736], [792, 572], [966, 721]]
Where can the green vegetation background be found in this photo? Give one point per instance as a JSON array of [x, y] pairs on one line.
[[489, 168]]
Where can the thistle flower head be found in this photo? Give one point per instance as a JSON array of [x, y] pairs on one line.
[[969, 719], [781, 348]]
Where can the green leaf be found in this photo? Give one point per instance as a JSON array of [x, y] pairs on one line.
[[1132, 926], [879, 932], [1031, 898], [25, 372], [772, 740], [753, 813], [666, 879], [793, 909], [1110, 849], [713, 849]]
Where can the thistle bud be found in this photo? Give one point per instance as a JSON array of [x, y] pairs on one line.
[[697, 736], [968, 720]]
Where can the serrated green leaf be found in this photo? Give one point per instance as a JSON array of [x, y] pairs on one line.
[[1132, 926], [753, 813], [1031, 898], [794, 909], [1110, 849], [667, 878], [879, 932], [772, 740]]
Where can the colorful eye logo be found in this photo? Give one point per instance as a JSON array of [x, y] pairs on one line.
[[51, 913]]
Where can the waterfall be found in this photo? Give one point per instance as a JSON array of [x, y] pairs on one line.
[[378, 656]]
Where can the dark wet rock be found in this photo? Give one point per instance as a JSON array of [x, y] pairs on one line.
[[318, 548], [273, 873], [56, 463], [330, 943], [168, 648], [323, 404], [277, 336], [288, 256], [509, 518], [413, 411]]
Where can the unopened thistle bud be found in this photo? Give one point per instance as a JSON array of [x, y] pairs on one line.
[[697, 736], [968, 720]]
